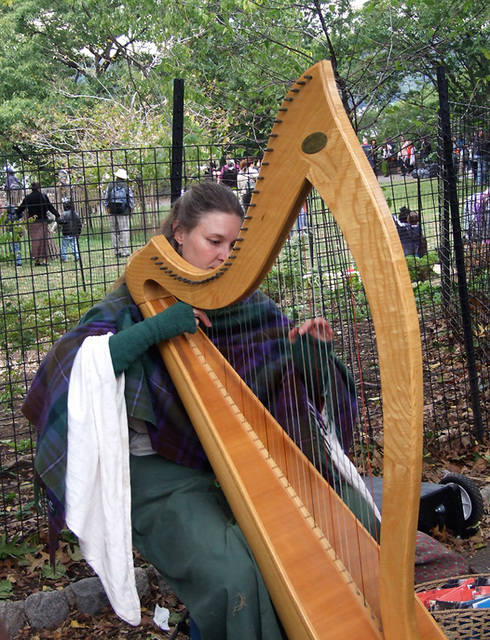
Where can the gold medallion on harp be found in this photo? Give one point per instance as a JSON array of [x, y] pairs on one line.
[[314, 142]]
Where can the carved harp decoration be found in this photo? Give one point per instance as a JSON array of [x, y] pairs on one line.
[[319, 591]]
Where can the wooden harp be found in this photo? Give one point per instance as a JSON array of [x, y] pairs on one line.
[[318, 593]]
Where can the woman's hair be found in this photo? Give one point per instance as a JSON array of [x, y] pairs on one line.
[[189, 209], [413, 217], [403, 215], [246, 162]]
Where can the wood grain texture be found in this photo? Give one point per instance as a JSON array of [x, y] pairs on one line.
[[312, 143]]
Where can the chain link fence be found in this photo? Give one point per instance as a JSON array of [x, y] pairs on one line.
[[314, 274]]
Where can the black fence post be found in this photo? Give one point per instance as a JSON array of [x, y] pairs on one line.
[[450, 192], [177, 140]]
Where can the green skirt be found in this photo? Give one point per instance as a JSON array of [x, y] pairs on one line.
[[183, 525]]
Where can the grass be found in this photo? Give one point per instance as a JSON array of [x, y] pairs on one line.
[[39, 303], [423, 196]]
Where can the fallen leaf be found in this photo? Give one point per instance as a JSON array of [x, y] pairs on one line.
[[76, 624]]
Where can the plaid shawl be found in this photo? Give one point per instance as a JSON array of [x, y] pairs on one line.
[[303, 375], [295, 382]]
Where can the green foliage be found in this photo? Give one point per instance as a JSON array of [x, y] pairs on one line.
[[68, 536], [6, 589], [422, 269], [12, 388], [38, 320], [99, 74], [286, 274], [49, 572], [25, 509], [14, 548], [24, 445], [428, 293]]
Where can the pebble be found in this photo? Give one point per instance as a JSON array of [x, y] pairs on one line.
[[49, 609]]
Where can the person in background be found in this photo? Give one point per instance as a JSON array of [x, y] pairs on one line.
[[13, 217], [476, 216], [481, 156], [229, 173], [409, 231], [13, 187], [211, 171], [402, 156], [11, 227], [411, 161], [41, 213], [425, 149], [388, 155], [374, 156], [71, 228], [246, 179], [119, 203], [458, 162], [366, 147]]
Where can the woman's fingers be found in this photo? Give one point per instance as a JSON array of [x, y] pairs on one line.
[[317, 327], [201, 317]]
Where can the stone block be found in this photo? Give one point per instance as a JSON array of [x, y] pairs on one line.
[[46, 609], [13, 616], [89, 595]]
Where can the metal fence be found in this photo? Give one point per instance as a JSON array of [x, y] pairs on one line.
[[450, 280]]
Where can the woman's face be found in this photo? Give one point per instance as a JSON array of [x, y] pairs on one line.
[[210, 242]]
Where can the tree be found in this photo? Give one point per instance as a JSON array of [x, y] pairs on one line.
[[69, 67]]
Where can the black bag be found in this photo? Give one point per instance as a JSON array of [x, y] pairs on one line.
[[118, 199], [12, 215], [71, 223], [76, 224]]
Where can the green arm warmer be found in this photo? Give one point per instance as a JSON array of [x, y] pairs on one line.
[[128, 345]]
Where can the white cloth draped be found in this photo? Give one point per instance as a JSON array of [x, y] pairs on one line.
[[98, 494]]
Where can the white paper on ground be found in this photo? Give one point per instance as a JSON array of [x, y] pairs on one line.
[[160, 618]]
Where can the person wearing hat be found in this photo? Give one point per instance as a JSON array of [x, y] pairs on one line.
[[119, 203]]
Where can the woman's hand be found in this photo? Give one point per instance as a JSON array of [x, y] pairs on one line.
[[317, 328], [201, 316]]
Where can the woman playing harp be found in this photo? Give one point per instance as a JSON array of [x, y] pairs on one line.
[[180, 519]]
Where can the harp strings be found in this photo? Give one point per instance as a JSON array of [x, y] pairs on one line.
[[335, 443], [315, 423], [325, 245]]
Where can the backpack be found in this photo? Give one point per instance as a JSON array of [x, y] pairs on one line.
[[118, 199], [71, 223], [229, 176], [76, 224], [12, 184]]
